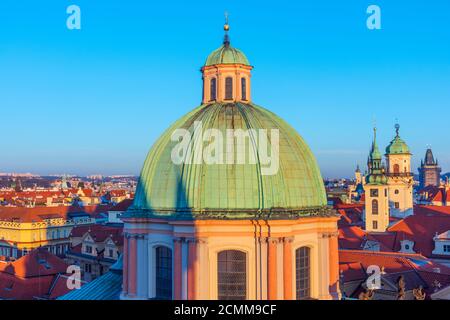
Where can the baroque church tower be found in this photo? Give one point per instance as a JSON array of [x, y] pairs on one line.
[[400, 177], [376, 211]]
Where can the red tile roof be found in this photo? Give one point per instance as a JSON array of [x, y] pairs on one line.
[[12, 287], [123, 205], [30, 276], [351, 237], [59, 287], [34, 214], [100, 232], [350, 216], [354, 263], [37, 263], [421, 228], [391, 261]]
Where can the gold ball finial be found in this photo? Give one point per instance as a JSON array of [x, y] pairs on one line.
[[226, 26]]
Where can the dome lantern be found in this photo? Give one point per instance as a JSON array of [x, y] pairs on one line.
[[226, 73]]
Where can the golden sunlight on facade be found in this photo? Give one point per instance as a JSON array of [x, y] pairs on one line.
[[388, 190], [23, 229]]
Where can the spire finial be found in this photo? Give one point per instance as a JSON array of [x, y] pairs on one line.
[[397, 127], [226, 28]]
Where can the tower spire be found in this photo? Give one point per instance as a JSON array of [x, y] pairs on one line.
[[226, 28], [397, 128], [374, 143]]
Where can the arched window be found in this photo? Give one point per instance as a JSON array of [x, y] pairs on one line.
[[228, 88], [163, 272], [374, 206], [232, 275], [396, 168], [303, 273], [213, 90], [244, 88]]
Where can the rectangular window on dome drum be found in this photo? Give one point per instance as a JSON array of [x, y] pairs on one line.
[[244, 88], [229, 88], [213, 89]]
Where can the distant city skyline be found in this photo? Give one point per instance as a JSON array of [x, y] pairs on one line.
[[93, 101]]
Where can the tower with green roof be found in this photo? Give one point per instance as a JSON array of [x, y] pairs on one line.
[[376, 210], [400, 176]]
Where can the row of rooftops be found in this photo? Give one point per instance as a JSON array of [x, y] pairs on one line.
[[37, 275], [39, 214], [418, 265], [416, 270], [60, 196], [435, 195], [421, 228]]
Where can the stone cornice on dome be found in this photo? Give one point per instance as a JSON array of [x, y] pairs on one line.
[[230, 214], [226, 66]]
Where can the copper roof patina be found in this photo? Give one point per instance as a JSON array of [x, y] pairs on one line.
[[236, 191]]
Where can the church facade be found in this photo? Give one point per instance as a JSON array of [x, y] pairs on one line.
[[213, 230]]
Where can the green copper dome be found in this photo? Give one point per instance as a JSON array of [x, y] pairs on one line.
[[226, 55], [231, 190], [397, 145]]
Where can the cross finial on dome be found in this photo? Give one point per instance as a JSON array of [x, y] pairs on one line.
[[226, 28]]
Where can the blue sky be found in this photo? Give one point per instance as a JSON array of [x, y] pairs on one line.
[[94, 100]]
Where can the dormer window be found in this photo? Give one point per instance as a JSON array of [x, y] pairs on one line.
[[407, 246], [244, 88], [228, 88], [213, 89]]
